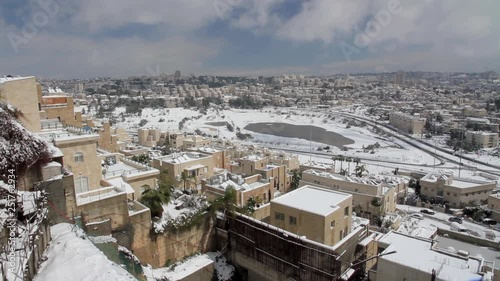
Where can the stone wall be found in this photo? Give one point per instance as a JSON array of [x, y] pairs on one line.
[[160, 249]]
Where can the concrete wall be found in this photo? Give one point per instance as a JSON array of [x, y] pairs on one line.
[[23, 94]]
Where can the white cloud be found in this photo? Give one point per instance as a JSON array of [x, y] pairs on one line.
[[323, 20], [181, 14]]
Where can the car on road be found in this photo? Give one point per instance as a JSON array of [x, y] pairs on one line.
[[455, 219], [489, 221], [428, 212], [417, 216]]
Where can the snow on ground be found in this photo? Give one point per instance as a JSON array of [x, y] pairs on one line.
[[102, 239], [70, 256], [392, 150], [182, 269], [180, 210], [439, 220]]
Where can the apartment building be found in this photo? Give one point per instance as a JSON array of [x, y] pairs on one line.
[[320, 214], [482, 139], [195, 141], [25, 94], [372, 196], [175, 138], [408, 123], [149, 137], [257, 164], [494, 206], [291, 162], [444, 188], [194, 165], [127, 174], [246, 187], [222, 157]]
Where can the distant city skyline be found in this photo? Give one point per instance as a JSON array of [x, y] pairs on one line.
[[119, 38]]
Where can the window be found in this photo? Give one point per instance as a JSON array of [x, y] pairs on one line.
[[332, 224], [346, 211], [81, 185], [292, 220], [205, 170], [447, 193], [279, 216], [79, 157]]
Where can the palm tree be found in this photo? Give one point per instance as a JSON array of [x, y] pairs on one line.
[[296, 177], [226, 203], [186, 177], [341, 158], [153, 199], [357, 160], [360, 171], [348, 160]]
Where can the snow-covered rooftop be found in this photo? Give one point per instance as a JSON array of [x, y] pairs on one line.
[[448, 266], [7, 79], [313, 199], [176, 158]]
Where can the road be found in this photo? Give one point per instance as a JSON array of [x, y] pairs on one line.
[[436, 151]]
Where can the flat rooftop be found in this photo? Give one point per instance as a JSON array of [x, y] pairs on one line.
[[176, 158], [312, 199], [14, 78], [447, 264]]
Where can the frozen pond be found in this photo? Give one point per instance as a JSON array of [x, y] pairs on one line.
[[306, 132]]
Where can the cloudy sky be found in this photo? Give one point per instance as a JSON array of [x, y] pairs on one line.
[[89, 38]]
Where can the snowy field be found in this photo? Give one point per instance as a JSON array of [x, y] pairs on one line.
[[70, 256], [391, 150]]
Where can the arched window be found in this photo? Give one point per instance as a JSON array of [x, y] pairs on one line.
[[81, 185], [78, 157]]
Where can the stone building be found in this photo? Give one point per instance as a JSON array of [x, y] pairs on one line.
[[320, 214]]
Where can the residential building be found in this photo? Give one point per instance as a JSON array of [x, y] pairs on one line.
[[246, 187], [494, 206], [194, 165], [407, 123], [372, 196], [320, 214], [25, 94], [256, 164], [149, 137], [399, 78], [481, 139], [413, 258], [444, 188], [222, 156], [175, 138], [195, 141], [80, 157], [126, 174]]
